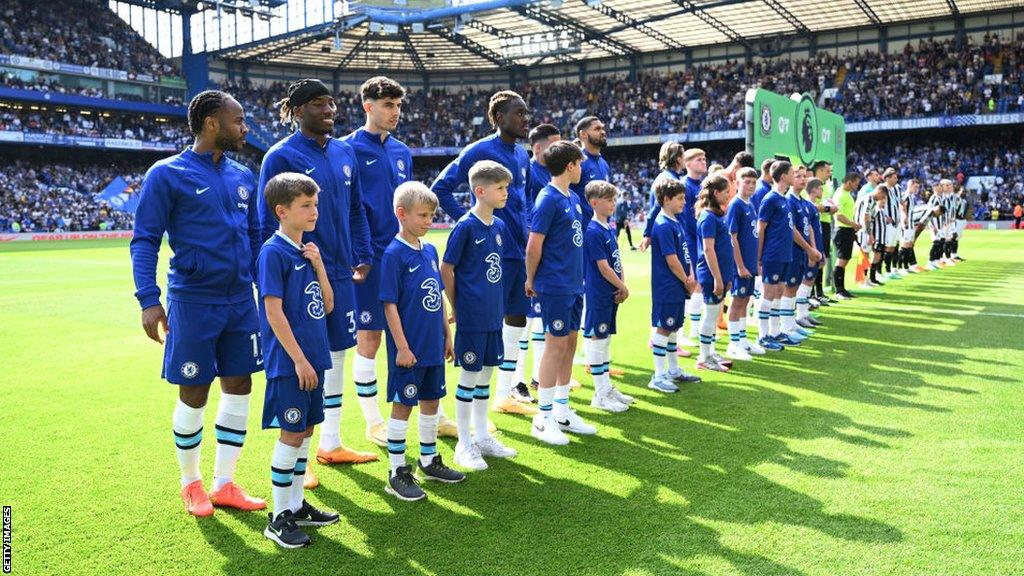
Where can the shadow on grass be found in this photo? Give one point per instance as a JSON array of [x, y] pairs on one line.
[[648, 492]]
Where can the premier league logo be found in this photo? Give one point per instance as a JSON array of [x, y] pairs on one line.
[[409, 391], [401, 165], [434, 264], [497, 239], [292, 415], [468, 358], [190, 370], [243, 192], [579, 209], [347, 170]]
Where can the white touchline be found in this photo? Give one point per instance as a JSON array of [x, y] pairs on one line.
[[953, 312]]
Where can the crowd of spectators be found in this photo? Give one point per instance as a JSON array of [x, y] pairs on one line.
[[40, 196], [70, 122], [83, 32], [930, 78]]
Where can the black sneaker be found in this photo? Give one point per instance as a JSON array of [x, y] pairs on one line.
[[437, 470], [284, 531], [402, 485], [534, 384], [814, 321], [521, 393], [310, 516]]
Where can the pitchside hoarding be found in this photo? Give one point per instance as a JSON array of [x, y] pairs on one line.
[[795, 128]]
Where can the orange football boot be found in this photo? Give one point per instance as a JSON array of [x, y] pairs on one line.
[[343, 455], [197, 503], [231, 495]]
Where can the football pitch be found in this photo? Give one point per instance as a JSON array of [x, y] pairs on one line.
[[891, 442]]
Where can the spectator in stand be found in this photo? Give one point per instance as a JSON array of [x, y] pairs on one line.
[[92, 124], [83, 32]]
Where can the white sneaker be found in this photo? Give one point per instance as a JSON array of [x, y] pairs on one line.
[[605, 401], [737, 351], [752, 347], [490, 446], [469, 457], [623, 398], [686, 342], [545, 430], [662, 384], [573, 423]]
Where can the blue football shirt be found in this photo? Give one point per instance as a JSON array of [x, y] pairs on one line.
[[283, 272], [559, 217], [475, 250], [711, 225], [667, 238], [410, 279], [778, 235], [741, 219], [600, 244]]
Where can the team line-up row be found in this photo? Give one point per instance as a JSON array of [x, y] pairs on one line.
[[330, 233]]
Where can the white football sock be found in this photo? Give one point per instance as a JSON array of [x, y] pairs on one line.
[[802, 307], [187, 424], [481, 397], [707, 330], [561, 405], [464, 402], [659, 344], [428, 437], [537, 336], [232, 413], [397, 430], [282, 473], [330, 430], [776, 317], [299, 477], [364, 372], [510, 343], [693, 306], [671, 349], [524, 347]]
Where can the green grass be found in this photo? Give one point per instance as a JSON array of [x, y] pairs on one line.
[[891, 443]]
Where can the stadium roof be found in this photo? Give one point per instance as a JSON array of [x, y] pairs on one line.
[[472, 35]]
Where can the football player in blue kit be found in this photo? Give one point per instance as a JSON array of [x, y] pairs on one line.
[[341, 234], [716, 267], [554, 276], [541, 136], [384, 163], [418, 341], [295, 299], [472, 277], [508, 114], [671, 284], [741, 219], [605, 289], [203, 201]]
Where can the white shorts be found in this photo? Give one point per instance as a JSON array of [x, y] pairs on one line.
[[907, 235], [961, 225], [892, 236], [862, 242]]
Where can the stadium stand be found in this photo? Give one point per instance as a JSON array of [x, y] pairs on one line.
[[92, 123], [94, 37]]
